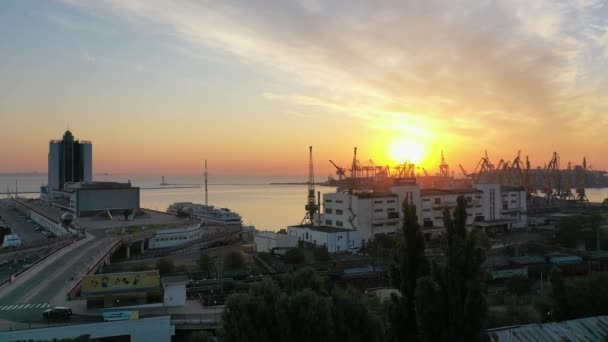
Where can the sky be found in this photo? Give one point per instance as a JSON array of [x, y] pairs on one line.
[[160, 85]]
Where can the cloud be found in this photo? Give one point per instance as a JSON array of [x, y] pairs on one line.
[[469, 68]]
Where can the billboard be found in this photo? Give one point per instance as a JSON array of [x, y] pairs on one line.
[[116, 282], [120, 315]]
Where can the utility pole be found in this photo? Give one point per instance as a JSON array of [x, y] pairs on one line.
[[206, 192]]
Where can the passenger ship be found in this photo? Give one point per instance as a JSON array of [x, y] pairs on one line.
[[208, 214]]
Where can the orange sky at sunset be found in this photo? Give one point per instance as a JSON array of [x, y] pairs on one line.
[[158, 88]]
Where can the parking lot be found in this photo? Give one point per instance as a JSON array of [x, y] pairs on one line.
[[28, 230]]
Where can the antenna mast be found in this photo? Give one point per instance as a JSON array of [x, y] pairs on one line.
[[206, 192], [311, 207]]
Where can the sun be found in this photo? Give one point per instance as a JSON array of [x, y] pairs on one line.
[[402, 150]]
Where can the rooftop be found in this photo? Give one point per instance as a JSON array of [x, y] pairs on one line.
[[584, 329], [512, 188], [438, 192], [325, 229], [179, 279], [374, 194]]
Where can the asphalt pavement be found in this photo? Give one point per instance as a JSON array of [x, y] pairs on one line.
[[47, 283], [19, 224]]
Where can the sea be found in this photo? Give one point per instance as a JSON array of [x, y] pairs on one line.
[[262, 204]]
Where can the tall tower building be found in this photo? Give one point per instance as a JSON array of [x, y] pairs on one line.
[[69, 161]]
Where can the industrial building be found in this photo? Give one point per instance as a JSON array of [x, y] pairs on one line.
[[267, 241], [71, 187], [335, 239]]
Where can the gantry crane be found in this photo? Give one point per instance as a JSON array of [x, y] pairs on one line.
[[340, 171], [580, 182]]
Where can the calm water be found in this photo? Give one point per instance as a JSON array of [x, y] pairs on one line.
[[268, 207]]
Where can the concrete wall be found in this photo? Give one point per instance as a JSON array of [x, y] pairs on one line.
[[157, 329], [491, 201], [45, 222], [433, 211], [267, 241], [334, 241], [95, 200]]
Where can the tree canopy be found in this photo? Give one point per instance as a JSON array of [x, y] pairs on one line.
[[165, 266], [303, 309]]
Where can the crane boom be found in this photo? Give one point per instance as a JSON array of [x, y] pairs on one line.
[[311, 207]]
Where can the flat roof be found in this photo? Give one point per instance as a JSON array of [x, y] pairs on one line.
[[511, 188], [436, 192], [374, 194], [324, 229], [179, 279]]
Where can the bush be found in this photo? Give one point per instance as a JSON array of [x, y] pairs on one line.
[[294, 256], [234, 260], [518, 285], [165, 266], [321, 254]]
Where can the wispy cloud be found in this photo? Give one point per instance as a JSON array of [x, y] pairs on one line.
[[480, 68]]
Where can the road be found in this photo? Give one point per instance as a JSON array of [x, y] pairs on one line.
[[47, 283], [19, 224]]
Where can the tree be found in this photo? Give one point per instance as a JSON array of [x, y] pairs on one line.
[[294, 256], [569, 230], [201, 336], [165, 266], [204, 263], [321, 254], [234, 260], [454, 293], [302, 310], [412, 266], [518, 285]]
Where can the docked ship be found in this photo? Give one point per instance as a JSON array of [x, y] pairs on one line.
[[208, 214]]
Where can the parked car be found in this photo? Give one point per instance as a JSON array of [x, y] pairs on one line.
[[57, 312]]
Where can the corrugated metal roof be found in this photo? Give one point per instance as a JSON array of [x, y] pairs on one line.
[[589, 329]]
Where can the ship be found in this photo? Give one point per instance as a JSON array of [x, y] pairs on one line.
[[207, 214]]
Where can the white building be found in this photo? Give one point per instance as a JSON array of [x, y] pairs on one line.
[[175, 236], [174, 290], [267, 241], [370, 213], [335, 239], [490, 206], [434, 201]]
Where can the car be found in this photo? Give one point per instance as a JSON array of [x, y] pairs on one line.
[[57, 312]]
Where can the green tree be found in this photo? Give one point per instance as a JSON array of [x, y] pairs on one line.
[[518, 285], [457, 301], [201, 336], [413, 265], [234, 260], [294, 256], [558, 290], [303, 310], [204, 263], [165, 266], [321, 254], [569, 230]]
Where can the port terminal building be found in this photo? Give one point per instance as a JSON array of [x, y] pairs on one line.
[[70, 185], [363, 215]]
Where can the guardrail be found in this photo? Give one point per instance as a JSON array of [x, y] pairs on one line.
[[18, 273]]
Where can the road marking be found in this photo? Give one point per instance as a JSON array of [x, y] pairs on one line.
[[27, 306], [2, 308], [46, 306], [11, 307], [19, 307], [36, 306]]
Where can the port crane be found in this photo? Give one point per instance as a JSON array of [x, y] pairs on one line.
[[340, 171], [311, 207]]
